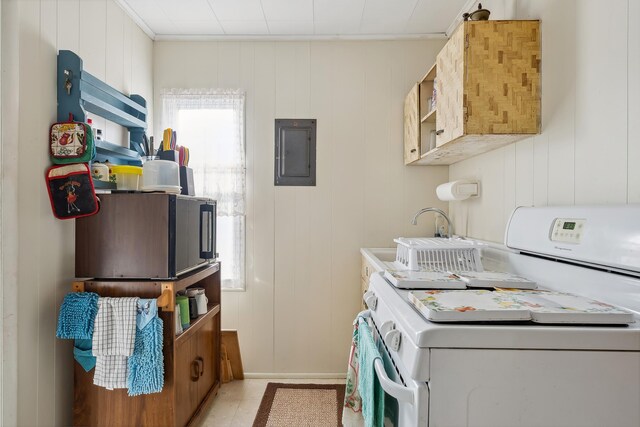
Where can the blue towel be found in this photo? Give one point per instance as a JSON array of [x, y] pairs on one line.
[[369, 387], [77, 314], [83, 355], [147, 310], [146, 364], [391, 409]]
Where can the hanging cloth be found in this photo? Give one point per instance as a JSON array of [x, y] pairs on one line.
[[147, 309], [146, 365], [113, 340], [368, 385], [77, 315]]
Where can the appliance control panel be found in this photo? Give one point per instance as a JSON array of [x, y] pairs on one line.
[[567, 230], [602, 235]]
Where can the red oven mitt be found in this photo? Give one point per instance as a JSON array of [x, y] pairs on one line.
[[71, 191]]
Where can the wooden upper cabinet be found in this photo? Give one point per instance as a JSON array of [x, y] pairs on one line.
[[449, 89], [412, 125], [502, 77], [487, 89]]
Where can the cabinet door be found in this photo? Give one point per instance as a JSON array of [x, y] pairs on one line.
[[186, 380], [412, 125], [449, 89], [367, 269], [502, 84], [206, 356]]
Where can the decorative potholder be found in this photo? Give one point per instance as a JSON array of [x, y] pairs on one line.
[[71, 142], [71, 191]]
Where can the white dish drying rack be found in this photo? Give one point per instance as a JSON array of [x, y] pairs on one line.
[[437, 254]]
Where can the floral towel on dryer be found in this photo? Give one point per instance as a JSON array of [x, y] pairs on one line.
[[352, 411]]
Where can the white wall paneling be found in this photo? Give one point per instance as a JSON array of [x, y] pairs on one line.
[[589, 146], [255, 315], [28, 323], [633, 100], [303, 242], [601, 102], [114, 66], [115, 50], [9, 212], [559, 98]]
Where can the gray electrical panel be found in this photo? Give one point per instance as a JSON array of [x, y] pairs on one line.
[[295, 152]]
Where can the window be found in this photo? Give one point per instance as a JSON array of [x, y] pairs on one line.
[[211, 124]]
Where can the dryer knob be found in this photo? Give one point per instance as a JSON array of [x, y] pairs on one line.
[[370, 299], [392, 339]]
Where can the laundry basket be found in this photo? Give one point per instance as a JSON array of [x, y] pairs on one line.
[[425, 254]]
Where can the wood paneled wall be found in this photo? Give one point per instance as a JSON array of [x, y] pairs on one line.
[[113, 49], [303, 243], [589, 148]]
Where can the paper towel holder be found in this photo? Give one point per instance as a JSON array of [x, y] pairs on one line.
[[458, 190]]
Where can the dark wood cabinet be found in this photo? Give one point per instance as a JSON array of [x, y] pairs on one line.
[[191, 360], [207, 341], [196, 359], [187, 387]]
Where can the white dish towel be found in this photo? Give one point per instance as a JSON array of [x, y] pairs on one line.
[[114, 335]]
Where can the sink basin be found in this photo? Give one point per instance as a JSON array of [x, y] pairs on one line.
[[384, 254], [380, 258]]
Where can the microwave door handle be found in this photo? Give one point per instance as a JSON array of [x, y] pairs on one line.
[[207, 232], [392, 388], [206, 214], [213, 230], [202, 232]]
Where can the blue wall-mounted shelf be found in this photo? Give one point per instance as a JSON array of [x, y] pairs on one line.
[[87, 93]]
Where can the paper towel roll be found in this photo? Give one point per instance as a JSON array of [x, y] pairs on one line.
[[457, 190]]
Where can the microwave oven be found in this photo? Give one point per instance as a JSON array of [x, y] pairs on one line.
[[146, 236]]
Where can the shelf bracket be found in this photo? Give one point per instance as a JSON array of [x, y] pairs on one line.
[[167, 300]]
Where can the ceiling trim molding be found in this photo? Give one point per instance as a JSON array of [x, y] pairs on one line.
[[136, 18], [299, 37], [468, 6]]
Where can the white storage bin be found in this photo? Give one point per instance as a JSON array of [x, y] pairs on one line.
[[161, 175]]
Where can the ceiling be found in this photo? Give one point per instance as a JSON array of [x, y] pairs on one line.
[[295, 19]]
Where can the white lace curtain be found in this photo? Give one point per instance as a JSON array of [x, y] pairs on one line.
[[211, 124]]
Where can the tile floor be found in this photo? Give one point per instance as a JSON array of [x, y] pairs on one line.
[[238, 401]]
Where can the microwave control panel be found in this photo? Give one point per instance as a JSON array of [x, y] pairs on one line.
[[567, 230]]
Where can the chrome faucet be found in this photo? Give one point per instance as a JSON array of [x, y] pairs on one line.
[[414, 221]]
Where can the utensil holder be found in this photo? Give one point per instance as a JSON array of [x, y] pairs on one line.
[[186, 181], [172, 155]]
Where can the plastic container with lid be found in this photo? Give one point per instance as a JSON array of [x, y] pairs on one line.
[[100, 172], [161, 175], [127, 177]]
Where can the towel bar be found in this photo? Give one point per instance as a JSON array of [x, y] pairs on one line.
[[392, 388], [166, 300]]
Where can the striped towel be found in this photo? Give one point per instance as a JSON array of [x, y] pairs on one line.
[[111, 372], [113, 340]]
